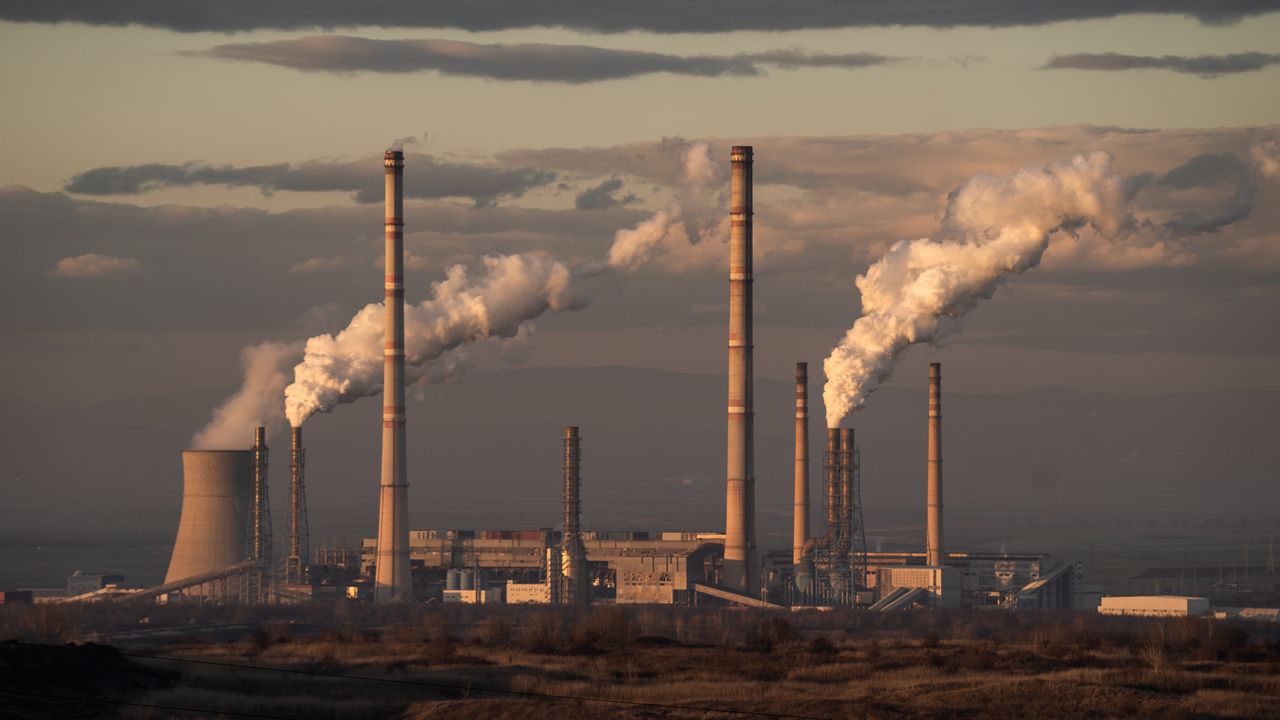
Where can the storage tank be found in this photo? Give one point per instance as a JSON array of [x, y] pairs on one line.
[[217, 495], [453, 580]]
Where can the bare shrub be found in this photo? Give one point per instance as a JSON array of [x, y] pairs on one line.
[[1155, 651], [494, 632], [436, 627], [545, 633], [605, 628], [43, 624], [822, 645]]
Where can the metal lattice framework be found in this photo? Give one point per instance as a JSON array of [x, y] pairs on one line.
[[839, 556], [254, 584], [295, 563], [574, 587]]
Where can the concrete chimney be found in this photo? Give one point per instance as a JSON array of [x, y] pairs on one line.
[[575, 588], [800, 510], [295, 564], [739, 525], [933, 540], [393, 581]]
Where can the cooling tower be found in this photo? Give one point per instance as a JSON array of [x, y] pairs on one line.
[[933, 540], [392, 581], [739, 525], [800, 509], [217, 500]]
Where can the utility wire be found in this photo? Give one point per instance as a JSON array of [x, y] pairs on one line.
[[123, 703], [418, 683]]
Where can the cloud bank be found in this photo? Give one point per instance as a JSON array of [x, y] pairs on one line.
[[425, 177], [93, 265], [661, 16], [534, 62], [1206, 66]]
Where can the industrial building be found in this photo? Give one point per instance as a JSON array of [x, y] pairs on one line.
[[1154, 605], [223, 551]]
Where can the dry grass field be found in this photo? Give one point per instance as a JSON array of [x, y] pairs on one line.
[[609, 662]]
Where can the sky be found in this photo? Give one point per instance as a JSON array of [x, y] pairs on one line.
[[176, 186]]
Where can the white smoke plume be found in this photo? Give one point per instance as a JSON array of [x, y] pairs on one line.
[[993, 228], [400, 143], [495, 305], [679, 233], [510, 290], [266, 372]]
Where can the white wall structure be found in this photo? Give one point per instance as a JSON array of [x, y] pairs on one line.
[[1154, 605]]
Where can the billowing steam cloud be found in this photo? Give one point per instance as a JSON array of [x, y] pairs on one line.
[[676, 232], [510, 290], [496, 304], [993, 228], [266, 368]]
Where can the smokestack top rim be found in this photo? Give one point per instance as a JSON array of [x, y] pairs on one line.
[[741, 152], [571, 431], [935, 370]]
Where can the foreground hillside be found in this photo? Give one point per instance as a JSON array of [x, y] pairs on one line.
[[530, 663]]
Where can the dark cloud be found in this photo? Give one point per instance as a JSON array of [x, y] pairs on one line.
[[201, 269], [601, 197], [425, 177], [1210, 170], [662, 16], [1205, 170], [1203, 65], [534, 62]]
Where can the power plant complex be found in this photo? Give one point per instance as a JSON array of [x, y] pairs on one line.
[[224, 551]]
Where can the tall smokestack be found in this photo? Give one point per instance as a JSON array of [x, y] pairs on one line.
[[833, 484], [393, 581], [739, 525], [933, 542], [800, 510], [260, 512], [295, 565], [575, 588]]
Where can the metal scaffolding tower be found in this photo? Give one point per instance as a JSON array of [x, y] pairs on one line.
[[295, 563], [254, 584]]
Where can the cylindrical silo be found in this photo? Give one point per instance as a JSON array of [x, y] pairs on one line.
[[217, 495]]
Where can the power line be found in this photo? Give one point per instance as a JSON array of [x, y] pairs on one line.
[[416, 683], [123, 703]]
